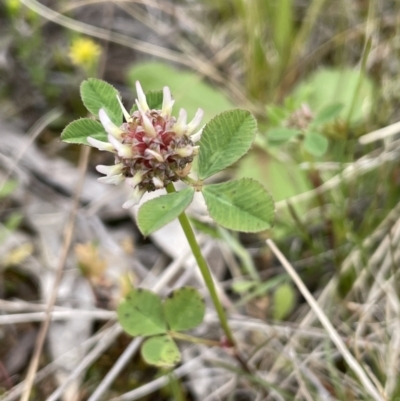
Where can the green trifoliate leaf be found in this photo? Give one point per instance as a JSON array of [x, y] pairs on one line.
[[241, 205], [225, 139], [141, 313], [161, 351], [281, 134], [328, 113], [154, 101], [157, 212], [184, 309], [97, 94], [79, 130], [315, 143]]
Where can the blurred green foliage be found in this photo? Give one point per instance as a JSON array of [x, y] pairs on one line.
[[189, 90]]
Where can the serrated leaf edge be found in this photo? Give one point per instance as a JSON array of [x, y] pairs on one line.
[[95, 80], [250, 145], [73, 122], [258, 182]]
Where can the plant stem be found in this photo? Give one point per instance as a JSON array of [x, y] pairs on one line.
[[205, 271], [195, 340]]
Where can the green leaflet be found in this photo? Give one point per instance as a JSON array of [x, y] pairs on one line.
[[97, 94], [79, 130], [157, 212], [241, 205], [225, 139], [184, 309], [141, 313], [161, 351]]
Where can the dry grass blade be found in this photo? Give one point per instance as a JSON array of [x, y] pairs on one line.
[[204, 67], [57, 315], [91, 357], [207, 67], [33, 133], [126, 356], [100, 33], [66, 245], [359, 167], [380, 134], [16, 391], [158, 383], [333, 334], [166, 7]]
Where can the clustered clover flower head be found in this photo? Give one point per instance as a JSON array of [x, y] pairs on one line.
[[152, 148]]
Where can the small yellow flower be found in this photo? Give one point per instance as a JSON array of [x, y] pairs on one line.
[[84, 52]]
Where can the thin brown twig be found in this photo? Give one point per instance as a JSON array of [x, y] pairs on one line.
[[33, 366]]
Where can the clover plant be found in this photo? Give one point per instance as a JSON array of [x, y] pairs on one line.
[[302, 126], [152, 150]]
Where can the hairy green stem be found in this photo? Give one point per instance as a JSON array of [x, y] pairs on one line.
[[205, 271]]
